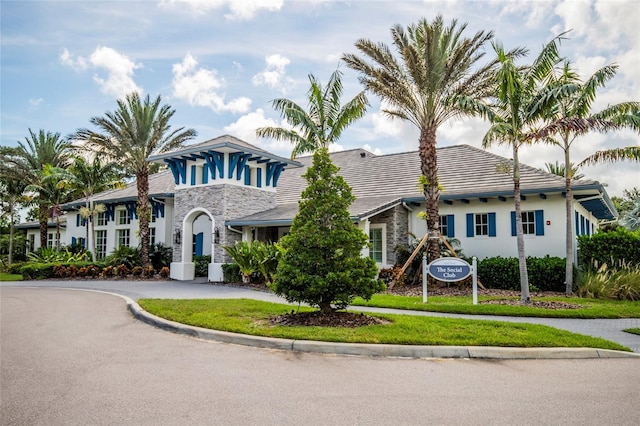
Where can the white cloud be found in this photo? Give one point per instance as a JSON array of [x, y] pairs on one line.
[[200, 87], [118, 67], [273, 75], [239, 10], [376, 151], [34, 104], [78, 64], [245, 129], [119, 81]]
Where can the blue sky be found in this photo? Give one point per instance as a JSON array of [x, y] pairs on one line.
[[220, 63]]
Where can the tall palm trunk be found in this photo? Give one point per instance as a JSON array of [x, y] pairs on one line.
[[43, 218], [569, 225], [429, 169], [11, 225], [144, 214], [522, 259]]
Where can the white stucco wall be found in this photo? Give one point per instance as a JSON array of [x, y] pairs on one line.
[[504, 244]]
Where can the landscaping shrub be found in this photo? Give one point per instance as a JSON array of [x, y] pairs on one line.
[[39, 271], [267, 256], [202, 265], [160, 255], [50, 255], [15, 267], [231, 273], [149, 271], [124, 255], [244, 255], [545, 273], [107, 271], [122, 270], [136, 271], [613, 248], [164, 272], [603, 282]]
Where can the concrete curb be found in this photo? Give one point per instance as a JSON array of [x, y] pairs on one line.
[[373, 350]]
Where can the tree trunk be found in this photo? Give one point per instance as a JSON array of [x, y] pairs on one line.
[[10, 255], [431, 190], [522, 259], [568, 280], [57, 233], [43, 218], [325, 307], [144, 213]]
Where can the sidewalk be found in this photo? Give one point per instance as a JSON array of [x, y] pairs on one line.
[[610, 329]]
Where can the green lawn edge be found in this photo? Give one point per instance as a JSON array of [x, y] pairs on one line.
[[248, 316], [10, 277], [632, 331], [591, 308]]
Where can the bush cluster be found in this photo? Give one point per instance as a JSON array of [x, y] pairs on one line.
[[231, 273], [545, 273], [202, 265], [616, 247]]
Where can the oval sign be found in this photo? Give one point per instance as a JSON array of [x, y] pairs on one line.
[[449, 269]]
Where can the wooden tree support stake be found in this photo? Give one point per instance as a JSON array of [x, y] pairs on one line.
[[415, 253]]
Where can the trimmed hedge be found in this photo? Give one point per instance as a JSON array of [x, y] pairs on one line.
[[231, 273], [545, 273], [613, 248], [40, 271]]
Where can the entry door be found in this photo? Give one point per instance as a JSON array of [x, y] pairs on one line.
[[198, 240]]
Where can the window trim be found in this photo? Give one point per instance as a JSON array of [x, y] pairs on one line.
[[383, 228]]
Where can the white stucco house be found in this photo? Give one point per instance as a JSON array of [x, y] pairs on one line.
[[225, 190]]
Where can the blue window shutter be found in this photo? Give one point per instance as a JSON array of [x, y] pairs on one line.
[[78, 220], [451, 231], [588, 227], [582, 231], [247, 175], [470, 225], [577, 224], [492, 224], [539, 222], [205, 173], [514, 229], [193, 175], [73, 241], [199, 243], [259, 178]]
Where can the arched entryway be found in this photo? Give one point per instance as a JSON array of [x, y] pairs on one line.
[[193, 239]]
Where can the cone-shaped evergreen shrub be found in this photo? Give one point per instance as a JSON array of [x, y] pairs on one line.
[[322, 264]]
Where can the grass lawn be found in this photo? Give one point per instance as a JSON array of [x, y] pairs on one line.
[[590, 308], [10, 277], [633, 330], [252, 317]]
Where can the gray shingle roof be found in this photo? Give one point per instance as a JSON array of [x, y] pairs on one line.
[[381, 181]]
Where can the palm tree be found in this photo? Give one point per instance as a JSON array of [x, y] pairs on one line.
[[559, 170], [572, 101], [53, 187], [631, 153], [434, 79], [325, 121], [87, 179], [516, 113], [12, 196], [129, 135], [29, 159]]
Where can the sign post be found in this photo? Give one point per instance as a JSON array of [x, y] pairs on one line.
[[424, 278], [449, 269]]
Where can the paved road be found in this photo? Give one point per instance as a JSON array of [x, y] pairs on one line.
[[607, 329], [75, 357]]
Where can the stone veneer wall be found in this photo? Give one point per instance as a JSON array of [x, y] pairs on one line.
[[397, 221], [224, 202]]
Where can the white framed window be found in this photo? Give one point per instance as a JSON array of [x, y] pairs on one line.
[[152, 236], [123, 217], [51, 242], [528, 223], [101, 244], [482, 224], [378, 241], [124, 237], [101, 220]]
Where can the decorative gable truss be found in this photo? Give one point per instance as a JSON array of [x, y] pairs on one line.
[[207, 166]]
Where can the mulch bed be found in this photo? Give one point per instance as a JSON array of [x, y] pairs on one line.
[[333, 319]]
